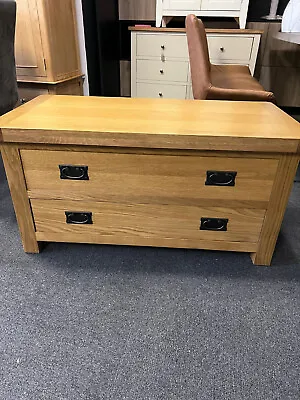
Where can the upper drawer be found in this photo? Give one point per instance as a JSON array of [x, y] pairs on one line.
[[162, 71], [161, 45], [149, 178], [230, 48]]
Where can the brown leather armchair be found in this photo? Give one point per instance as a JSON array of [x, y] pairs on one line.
[[218, 82]]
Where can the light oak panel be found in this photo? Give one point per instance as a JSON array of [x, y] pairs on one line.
[[280, 194], [150, 178], [152, 123], [153, 242], [59, 30], [147, 221], [28, 43], [46, 41], [15, 177]]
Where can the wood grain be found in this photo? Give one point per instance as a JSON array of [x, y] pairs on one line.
[[153, 123], [137, 10], [147, 221], [28, 91], [283, 184], [158, 179], [153, 242], [28, 42], [15, 177], [46, 40]]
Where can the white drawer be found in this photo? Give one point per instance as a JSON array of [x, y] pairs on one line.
[[162, 71], [158, 45], [158, 90], [230, 48]]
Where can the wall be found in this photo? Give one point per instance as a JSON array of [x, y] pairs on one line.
[[81, 41]]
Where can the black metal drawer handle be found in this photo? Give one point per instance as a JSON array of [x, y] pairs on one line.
[[79, 218], [220, 178], [74, 172], [214, 224]]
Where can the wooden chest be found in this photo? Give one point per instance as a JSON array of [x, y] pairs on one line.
[[190, 174]]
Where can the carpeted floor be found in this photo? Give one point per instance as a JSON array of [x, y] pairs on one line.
[[103, 322]]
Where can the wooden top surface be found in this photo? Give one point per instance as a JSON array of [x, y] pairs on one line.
[[288, 37], [183, 30], [153, 123]]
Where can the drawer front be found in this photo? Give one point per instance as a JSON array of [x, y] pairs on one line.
[[28, 93], [162, 71], [223, 48], [134, 221], [182, 5], [160, 90], [161, 45], [149, 178]]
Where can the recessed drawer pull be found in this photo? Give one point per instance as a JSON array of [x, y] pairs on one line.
[[79, 218], [213, 224], [220, 178], [74, 172]]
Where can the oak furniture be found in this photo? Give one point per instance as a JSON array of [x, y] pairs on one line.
[[218, 82], [47, 53], [173, 173], [166, 9], [160, 61]]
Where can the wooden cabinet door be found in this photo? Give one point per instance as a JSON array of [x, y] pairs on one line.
[[221, 5], [183, 5], [29, 50]]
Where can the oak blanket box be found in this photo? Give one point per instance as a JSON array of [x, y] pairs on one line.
[[150, 172]]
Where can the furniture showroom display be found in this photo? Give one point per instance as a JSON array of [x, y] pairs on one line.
[[166, 9], [149, 172], [47, 53], [160, 61]]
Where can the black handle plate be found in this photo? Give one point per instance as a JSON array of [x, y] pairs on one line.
[[79, 218], [74, 172], [220, 178], [214, 224]]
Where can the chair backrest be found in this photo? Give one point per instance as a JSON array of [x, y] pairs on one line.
[[8, 81], [199, 56]]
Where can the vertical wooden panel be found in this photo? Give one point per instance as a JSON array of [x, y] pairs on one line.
[[125, 77], [280, 194], [14, 171], [137, 10]]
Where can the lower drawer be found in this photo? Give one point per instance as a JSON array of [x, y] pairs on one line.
[[159, 90], [146, 224]]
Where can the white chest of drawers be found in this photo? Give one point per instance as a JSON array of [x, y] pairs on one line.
[[166, 9], [160, 61]]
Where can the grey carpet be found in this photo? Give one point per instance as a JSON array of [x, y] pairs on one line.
[[107, 322]]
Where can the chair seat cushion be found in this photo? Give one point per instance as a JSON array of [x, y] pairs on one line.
[[235, 82]]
